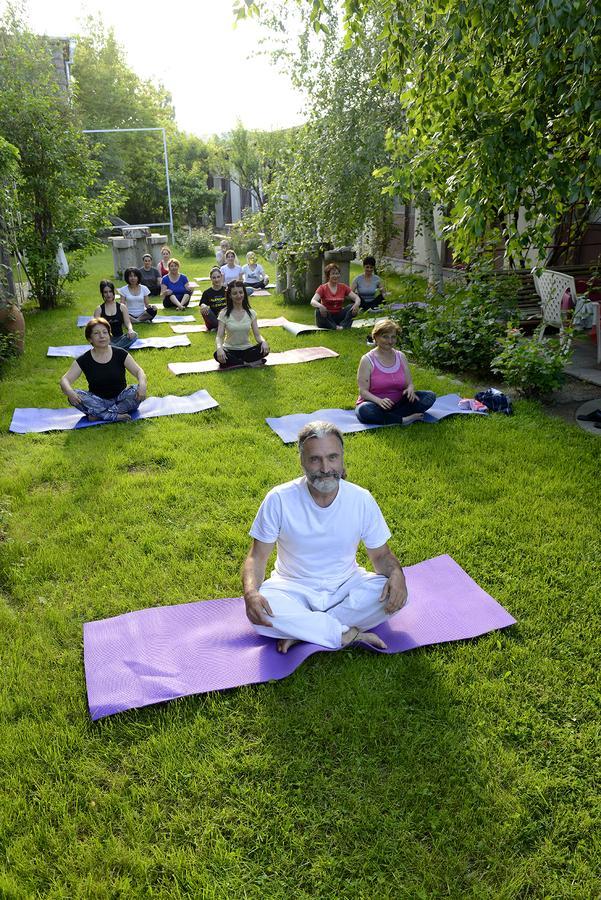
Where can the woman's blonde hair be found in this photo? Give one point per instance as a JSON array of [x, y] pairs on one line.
[[174, 260], [384, 325]]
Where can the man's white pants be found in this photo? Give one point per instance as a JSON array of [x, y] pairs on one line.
[[322, 616]]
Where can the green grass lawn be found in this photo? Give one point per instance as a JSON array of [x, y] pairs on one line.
[[464, 770]]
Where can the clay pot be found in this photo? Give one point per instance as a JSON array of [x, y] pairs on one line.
[[12, 322]]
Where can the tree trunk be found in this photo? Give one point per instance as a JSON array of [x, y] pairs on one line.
[[433, 261]]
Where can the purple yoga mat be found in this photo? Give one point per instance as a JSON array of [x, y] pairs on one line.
[[288, 427], [67, 418], [154, 655]]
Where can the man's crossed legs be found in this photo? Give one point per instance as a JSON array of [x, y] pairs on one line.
[[331, 619]]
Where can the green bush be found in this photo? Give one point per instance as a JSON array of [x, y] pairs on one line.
[[410, 320], [461, 329], [200, 242], [245, 236], [529, 365]]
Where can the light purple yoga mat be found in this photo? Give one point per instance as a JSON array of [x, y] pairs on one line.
[[34, 419], [141, 344], [158, 320], [288, 427], [286, 357], [154, 655]]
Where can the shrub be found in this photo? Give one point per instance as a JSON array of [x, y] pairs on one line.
[[461, 329], [245, 236], [200, 242], [531, 366], [410, 320]]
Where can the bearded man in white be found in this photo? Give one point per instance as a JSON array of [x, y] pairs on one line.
[[317, 592]]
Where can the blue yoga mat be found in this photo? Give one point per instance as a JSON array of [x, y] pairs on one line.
[[82, 321], [158, 343], [288, 427], [34, 419]]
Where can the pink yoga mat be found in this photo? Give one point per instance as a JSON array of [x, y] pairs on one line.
[[158, 654]]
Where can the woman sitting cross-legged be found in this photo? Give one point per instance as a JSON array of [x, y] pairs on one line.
[[163, 266], [369, 285], [150, 276], [108, 398], [212, 300], [231, 269], [253, 273], [116, 315], [234, 324], [386, 392], [176, 290], [136, 296], [328, 300]]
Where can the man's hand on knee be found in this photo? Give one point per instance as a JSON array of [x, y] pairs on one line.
[[258, 609], [394, 594]]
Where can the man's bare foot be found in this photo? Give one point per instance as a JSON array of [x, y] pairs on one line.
[[416, 417], [285, 643], [368, 637], [354, 635], [123, 417]]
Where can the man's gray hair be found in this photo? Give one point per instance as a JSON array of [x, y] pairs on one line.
[[317, 430]]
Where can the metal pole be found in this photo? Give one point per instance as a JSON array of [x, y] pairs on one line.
[[168, 187], [115, 130]]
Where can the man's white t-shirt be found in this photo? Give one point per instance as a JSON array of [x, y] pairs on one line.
[[318, 545]]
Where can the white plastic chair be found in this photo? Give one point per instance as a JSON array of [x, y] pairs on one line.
[[551, 287]]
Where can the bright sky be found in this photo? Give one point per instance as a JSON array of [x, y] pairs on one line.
[[211, 76]]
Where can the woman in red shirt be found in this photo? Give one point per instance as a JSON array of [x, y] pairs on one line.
[[328, 300]]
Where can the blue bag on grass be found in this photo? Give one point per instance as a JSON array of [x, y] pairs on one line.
[[496, 401]]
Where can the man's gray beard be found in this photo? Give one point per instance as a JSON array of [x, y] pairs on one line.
[[325, 484]]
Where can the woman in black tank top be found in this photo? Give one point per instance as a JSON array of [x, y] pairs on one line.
[[116, 315], [108, 399]]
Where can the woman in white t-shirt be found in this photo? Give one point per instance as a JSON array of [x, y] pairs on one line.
[[233, 326], [136, 296], [253, 273], [231, 271]]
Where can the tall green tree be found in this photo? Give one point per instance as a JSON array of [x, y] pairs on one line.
[[9, 180], [323, 188], [108, 94], [56, 199], [501, 109], [251, 158], [190, 160]]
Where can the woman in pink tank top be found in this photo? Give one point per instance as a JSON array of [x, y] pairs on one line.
[[386, 392]]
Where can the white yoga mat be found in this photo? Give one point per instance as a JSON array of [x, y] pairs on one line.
[[288, 357], [294, 328]]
